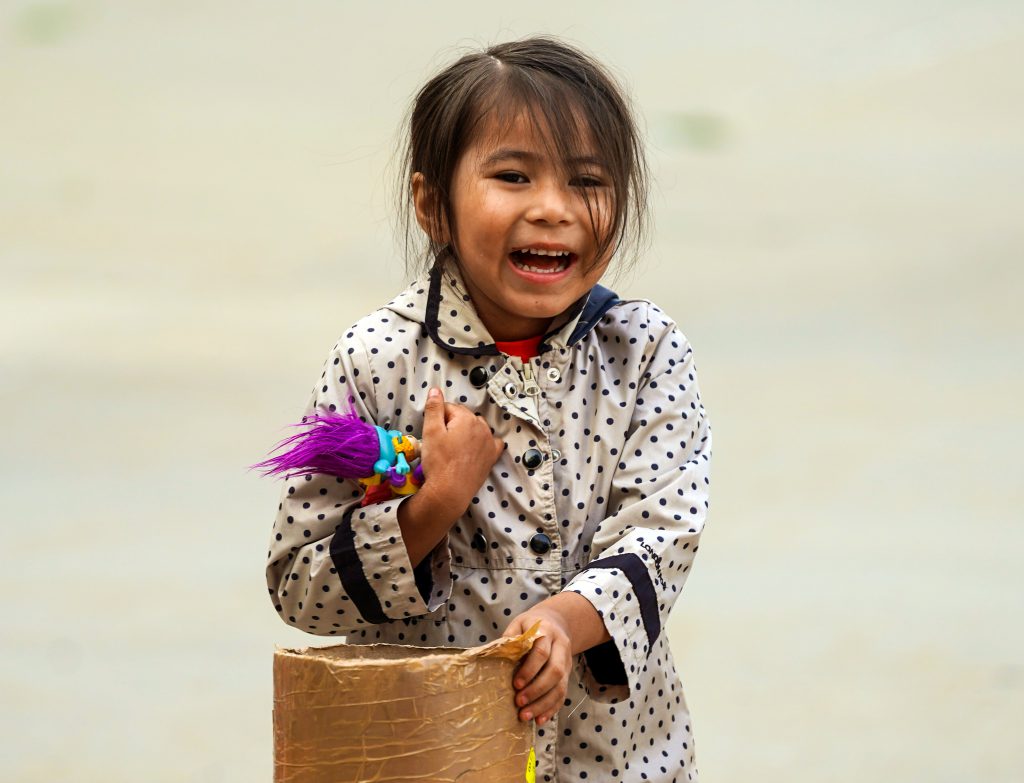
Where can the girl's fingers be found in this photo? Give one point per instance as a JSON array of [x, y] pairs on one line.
[[549, 679], [532, 664], [543, 708], [514, 628]]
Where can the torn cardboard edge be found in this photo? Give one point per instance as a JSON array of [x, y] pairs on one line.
[[510, 648]]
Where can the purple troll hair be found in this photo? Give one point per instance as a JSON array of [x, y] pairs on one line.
[[336, 444]]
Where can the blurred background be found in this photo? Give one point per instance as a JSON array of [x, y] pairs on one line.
[[194, 205]]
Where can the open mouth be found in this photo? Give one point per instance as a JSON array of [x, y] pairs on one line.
[[540, 261]]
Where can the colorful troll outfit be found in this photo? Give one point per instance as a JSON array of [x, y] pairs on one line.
[[344, 445]]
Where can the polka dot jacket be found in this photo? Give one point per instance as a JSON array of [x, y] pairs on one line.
[[602, 490]]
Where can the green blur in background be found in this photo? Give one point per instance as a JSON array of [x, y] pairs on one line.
[[195, 203]]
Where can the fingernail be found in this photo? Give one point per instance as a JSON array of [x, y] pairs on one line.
[[518, 684], [541, 721], [521, 701], [434, 393], [527, 715]]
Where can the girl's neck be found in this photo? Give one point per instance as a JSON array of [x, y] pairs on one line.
[[502, 323]]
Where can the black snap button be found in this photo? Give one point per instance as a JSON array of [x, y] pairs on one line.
[[540, 544], [479, 543], [478, 376], [532, 459]]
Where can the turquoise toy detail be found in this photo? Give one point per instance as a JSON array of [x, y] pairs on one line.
[[392, 474], [390, 458]]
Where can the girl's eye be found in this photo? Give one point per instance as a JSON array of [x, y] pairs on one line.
[[513, 177], [586, 181]]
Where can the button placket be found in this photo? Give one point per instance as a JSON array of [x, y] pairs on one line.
[[542, 545], [505, 391], [537, 469]]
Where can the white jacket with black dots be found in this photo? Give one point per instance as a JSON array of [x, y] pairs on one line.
[[602, 490]]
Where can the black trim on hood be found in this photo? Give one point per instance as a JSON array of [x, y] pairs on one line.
[[431, 321], [598, 301]]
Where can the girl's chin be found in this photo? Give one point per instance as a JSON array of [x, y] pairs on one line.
[[537, 306]]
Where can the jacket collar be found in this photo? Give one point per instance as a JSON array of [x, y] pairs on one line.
[[441, 302]]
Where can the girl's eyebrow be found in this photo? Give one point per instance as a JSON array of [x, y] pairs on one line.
[[506, 153]]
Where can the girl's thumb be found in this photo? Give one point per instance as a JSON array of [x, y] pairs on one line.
[[433, 411]]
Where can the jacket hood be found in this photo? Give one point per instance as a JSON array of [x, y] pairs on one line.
[[441, 303]]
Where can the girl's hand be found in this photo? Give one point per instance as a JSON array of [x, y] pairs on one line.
[[458, 452], [542, 678]]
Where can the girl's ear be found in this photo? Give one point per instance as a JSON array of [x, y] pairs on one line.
[[424, 198]]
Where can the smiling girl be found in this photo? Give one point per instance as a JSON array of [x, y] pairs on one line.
[[566, 450]]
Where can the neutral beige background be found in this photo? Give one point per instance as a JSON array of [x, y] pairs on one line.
[[193, 208]]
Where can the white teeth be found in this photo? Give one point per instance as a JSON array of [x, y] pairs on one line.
[[563, 255], [529, 268], [540, 252]]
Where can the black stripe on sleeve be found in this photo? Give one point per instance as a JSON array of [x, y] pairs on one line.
[[638, 575], [424, 574], [350, 569]]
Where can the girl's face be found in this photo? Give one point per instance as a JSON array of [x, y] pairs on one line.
[[524, 237]]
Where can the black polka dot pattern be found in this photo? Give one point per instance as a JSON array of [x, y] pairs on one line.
[[614, 509]]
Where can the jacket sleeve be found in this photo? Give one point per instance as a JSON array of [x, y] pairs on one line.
[[643, 550], [335, 567]]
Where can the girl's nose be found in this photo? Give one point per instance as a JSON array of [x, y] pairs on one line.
[[551, 204]]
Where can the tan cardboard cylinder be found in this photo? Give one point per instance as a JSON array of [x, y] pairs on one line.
[[395, 714]]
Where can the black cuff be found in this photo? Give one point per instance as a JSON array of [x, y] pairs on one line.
[[605, 664], [424, 574]]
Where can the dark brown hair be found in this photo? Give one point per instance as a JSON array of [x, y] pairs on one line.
[[562, 90]]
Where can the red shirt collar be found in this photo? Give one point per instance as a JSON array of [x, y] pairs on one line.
[[524, 349]]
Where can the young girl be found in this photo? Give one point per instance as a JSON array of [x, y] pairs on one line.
[[565, 447]]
